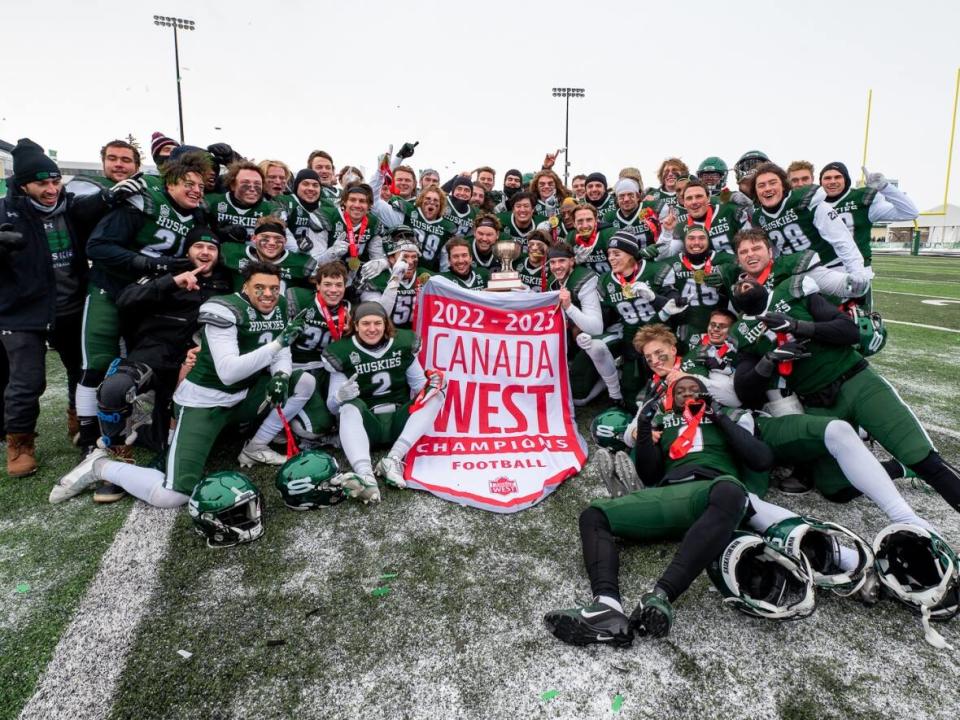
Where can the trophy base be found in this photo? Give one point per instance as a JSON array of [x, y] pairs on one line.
[[504, 282]]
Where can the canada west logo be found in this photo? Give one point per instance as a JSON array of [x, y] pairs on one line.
[[503, 486]]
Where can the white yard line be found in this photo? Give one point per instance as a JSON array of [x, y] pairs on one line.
[[82, 676], [940, 430], [932, 297], [921, 325]]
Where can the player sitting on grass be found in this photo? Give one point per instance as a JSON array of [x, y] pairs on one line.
[[374, 375], [243, 366]]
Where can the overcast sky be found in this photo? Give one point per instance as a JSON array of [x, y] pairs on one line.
[[472, 81]]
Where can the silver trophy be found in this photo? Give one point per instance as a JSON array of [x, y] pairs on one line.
[[508, 250]]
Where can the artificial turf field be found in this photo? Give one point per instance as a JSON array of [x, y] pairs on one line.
[[290, 626]]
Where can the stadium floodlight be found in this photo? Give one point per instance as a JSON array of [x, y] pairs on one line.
[[567, 93], [177, 24]]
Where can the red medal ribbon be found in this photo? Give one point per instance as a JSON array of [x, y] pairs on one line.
[[351, 237], [707, 266], [660, 388], [721, 349], [336, 331], [684, 442], [784, 367], [762, 279], [706, 221], [625, 281], [589, 241]]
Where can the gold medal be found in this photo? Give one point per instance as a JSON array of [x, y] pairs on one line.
[[627, 291], [354, 264], [698, 276]]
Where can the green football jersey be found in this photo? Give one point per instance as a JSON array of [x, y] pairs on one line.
[[401, 204], [609, 204], [726, 220], [785, 267], [709, 449], [689, 280], [432, 234], [329, 192], [296, 269], [637, 224], [790, 227], [574, 282], [533, 277], [476, 280], [224, 210], [462, 220], [300, 220], [596, 259], [491, 263], [826, 362], [853, 207], [406, 298], [165, 228], [658, 198], [334, 223], [381, 375], [511, 230], [318, 331], [632, 312], [253, 330]]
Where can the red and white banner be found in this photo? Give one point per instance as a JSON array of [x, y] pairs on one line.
[[506, 436]]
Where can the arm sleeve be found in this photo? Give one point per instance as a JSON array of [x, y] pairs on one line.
[[831, 325], [391, 217], [892, 204], [749, 385], [588, 317], [834, 231], [416, 378], [282, 362], [649, 458], [754, 453], [107, 243], [230, 365], [154, 291], [387, 298]]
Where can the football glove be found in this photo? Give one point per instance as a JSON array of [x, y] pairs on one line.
[[233, 233], [371, 268], [874, 180], [643, 291], [674, 306], [294, 329], [10, 239], [223, 153], [126, 188], [580, 254], [278, 389], [159, 265], [350, 390], [406, 150], [779, 322], [650, 252], [399, 268], [714, 279]]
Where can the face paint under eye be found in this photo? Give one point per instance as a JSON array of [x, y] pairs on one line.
[[260, 291]]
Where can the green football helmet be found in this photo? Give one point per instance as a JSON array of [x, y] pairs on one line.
[[713, 166], [763, 581], [820, 541], [309, 481], [873, 333], [401, 238], [919, 569], [748, 161], [609, 426], [227, 509]]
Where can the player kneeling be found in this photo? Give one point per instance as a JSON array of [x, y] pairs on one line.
[[243, 365], [374, 374]]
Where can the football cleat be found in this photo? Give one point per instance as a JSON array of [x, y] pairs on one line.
[[109, 493], [360, 487], [390, 468], [79, 479], [653, 616], [605, 468], [626, 470], [593, 624], [252, 453]]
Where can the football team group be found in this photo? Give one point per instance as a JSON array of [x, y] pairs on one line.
[[724, 330]]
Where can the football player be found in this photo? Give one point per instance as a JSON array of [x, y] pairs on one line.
[[268, 245], [486, 232], [597, 193], [426, 220], [532, 266], [721, 219], [800, 173], [301, 209], [669, 173], [321, 162], [631, 215], [460, 210], [243, 204], [461, 269], [382, 396], [520, 221], [351, 233], [243, 366], [397, 288], [589, 247], [549, 191], [713, 172]]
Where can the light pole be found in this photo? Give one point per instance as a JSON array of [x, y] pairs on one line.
[[567, 92], [177, 24]]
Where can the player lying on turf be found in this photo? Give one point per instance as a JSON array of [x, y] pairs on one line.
[[689, 464], [382, 395], [243, 366]]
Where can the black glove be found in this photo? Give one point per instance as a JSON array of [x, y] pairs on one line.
[[714, 279], [222, 153], [711, 408], [650, 252], [233, 233], [406, 150], [778, 322], [11, 240], [649, 409], [133, 185], [159, 265], [793, 350]]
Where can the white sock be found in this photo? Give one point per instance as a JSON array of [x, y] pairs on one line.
[[141, 482], [766, 513], [86, 401], [354, 440], [610, 602], [272, 424], [418, 424], [866, 474]]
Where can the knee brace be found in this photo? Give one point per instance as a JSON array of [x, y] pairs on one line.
[[125, 402]]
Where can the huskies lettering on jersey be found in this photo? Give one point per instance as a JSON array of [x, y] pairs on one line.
[[394, 361], [790, 216]]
